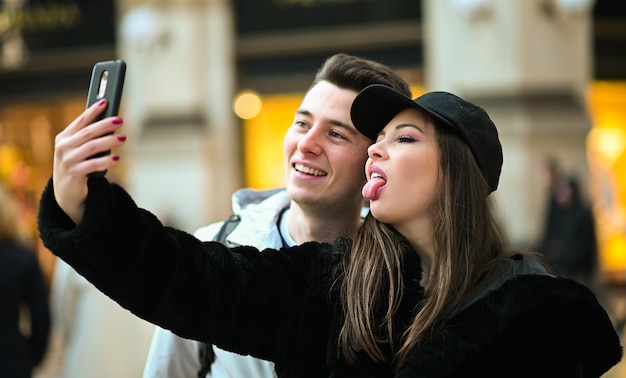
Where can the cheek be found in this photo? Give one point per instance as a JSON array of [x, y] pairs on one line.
[[350, 164], [421, 177], [289, 146], [432, 176], [289, 143], [432, 186]]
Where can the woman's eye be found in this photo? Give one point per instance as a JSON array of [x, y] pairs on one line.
[[405, 139]]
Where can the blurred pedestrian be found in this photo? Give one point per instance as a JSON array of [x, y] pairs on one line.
[[569, 240], [550, 175], [24, 309]]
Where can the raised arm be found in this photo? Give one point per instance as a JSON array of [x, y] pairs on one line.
[[240, 300], [72, 149]]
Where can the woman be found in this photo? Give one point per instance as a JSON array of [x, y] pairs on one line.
[[425, 289], [24, 309]]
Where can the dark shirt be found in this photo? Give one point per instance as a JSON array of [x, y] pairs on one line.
[[22, 291]]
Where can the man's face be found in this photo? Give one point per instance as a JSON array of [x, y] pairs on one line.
[[324, 153]]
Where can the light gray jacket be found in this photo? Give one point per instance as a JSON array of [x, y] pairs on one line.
[[171, 356]]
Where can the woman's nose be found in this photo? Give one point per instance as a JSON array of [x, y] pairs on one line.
[[375, 150]]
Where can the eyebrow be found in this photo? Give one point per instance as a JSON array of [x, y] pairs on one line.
[[405, 125], [402, 126], [334, 122]]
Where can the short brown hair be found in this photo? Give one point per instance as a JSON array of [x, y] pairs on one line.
[[355, 73]]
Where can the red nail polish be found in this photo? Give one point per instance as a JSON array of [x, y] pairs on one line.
[[102, 102], [121, 138], [117, 121], [115, 158]]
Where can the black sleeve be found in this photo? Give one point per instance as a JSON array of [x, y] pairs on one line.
[[239, 299]]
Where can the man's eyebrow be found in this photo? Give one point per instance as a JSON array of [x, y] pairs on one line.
[[304, 112], [345, 126]]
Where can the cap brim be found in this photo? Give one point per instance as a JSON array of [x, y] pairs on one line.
[[375, 106]]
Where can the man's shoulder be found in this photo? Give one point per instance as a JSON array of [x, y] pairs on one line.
[[249, 197], [256, 210], [208, 232]]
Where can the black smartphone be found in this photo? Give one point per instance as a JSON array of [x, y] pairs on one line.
[[107, 81]]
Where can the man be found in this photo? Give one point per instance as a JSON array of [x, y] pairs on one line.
[[324, 170]]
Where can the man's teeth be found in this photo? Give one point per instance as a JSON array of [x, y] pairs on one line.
[[309, 170]]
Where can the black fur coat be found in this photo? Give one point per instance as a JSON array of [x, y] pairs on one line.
[[275, 305]]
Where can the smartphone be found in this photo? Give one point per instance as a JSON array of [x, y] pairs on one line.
[[107, 81]]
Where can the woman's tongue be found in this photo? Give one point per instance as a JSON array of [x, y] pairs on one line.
[[371, 190]]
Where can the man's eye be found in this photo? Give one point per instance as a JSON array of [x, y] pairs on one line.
[[335, 134]]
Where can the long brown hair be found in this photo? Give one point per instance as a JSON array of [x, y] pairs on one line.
[[468, 244]]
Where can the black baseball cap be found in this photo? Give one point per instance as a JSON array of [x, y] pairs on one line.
[[377, 104]]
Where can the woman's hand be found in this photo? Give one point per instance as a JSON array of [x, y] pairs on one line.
[[72, 148]]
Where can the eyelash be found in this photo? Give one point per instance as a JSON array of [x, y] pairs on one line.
[[406, 139], [337, 135]]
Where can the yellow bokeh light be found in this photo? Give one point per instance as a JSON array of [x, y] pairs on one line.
[[607, 143], [616, 251], [263, 141], [606, 152], [247, 104]]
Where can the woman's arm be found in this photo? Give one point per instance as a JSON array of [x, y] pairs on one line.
[[239, 299]]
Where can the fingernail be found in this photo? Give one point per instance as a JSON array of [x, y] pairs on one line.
[[121, 138], [117, 121], [102, 102], [115, 158]]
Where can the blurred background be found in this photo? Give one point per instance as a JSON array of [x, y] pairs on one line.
[[212, 85]]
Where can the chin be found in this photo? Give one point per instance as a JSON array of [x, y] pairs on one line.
[[301, 195], [375, 209]]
